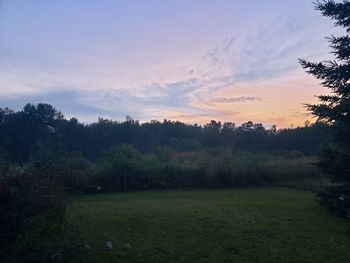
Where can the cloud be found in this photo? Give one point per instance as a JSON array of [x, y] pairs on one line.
[[269, 50], [229, 44], [236, 99], [71, 101]]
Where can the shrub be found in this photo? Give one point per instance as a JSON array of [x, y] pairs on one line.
[[118, 168], [4, 162], [32, 212]]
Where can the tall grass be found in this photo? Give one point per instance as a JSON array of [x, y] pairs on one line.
[[215, 167]]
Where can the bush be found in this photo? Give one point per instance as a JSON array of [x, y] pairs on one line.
[[32, 212], [149, 173], [118, 168], [4, 162], [337, 199]]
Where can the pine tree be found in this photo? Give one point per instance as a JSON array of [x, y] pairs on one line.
[[334, 108]]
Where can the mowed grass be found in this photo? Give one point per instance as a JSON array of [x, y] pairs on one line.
[[243, 225]]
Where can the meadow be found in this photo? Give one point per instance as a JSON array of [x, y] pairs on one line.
[[220, 164], [228, 225]]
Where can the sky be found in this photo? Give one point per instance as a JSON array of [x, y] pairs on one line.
[[187, 60]]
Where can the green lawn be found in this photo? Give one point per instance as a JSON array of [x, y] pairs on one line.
[[245, 225]]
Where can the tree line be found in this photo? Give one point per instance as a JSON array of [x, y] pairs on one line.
[[23, 132]]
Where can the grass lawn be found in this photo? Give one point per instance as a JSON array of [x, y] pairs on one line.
[[243, 225]]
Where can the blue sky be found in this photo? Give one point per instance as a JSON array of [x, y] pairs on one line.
[[192, 60]]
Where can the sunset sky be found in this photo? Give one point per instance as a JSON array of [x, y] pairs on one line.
[[188, 60]]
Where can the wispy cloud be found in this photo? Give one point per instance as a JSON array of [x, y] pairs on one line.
[[236, 99]]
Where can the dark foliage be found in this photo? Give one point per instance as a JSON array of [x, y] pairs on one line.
[[129, 155], [32, 211], [23, 132], [337, 199]]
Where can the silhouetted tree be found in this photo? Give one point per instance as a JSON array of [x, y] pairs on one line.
[[334, 108]]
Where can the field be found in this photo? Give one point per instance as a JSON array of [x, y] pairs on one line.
[[243, 225]]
